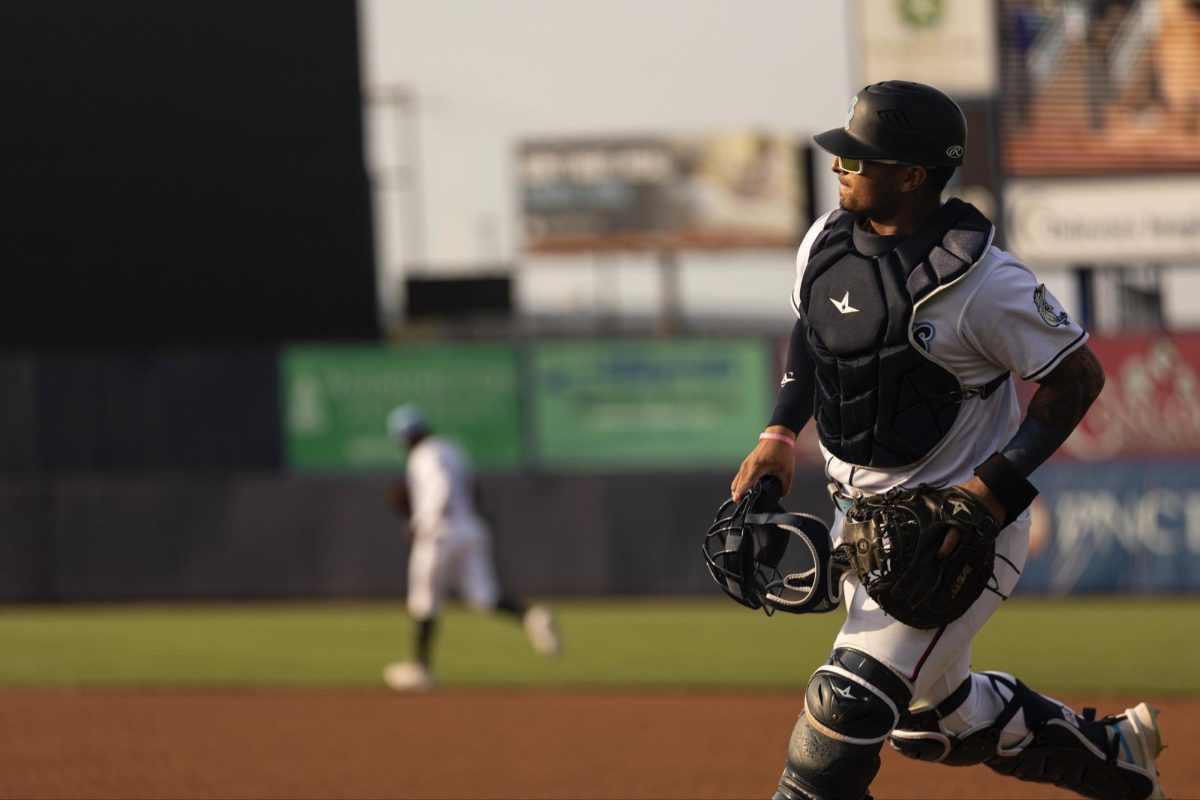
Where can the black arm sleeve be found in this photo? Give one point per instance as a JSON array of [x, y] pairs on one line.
[[794, 403]]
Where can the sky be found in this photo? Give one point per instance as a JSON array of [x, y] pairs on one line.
[[487, 74]]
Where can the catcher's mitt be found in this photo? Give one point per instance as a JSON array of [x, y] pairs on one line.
[[893, 538]]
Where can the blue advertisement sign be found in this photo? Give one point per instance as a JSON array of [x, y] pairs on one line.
[[1125, 527]]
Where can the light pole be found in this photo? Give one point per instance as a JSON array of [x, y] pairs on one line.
[[404, 175]]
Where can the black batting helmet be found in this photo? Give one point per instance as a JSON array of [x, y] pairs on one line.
[[901, 121]]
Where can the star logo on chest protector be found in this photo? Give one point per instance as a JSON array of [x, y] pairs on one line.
[[844, 304]]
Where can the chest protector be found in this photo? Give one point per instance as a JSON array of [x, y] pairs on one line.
[[881, 400]]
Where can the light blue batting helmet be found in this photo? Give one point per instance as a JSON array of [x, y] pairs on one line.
[[405, 421]]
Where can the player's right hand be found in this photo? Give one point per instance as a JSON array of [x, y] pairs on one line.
[[768, 458]]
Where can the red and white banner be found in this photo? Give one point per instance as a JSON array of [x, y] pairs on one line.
[[1150, 406], [1149, 409]]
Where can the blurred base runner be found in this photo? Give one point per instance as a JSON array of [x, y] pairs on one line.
[[451, 549]]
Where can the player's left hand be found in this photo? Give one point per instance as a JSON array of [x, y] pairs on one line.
[[989, 500], [768, 458]]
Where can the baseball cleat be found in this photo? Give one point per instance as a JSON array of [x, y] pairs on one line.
[[407, 676], [1139, 742], [542, 631]]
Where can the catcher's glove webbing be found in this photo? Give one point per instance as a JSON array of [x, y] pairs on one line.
[[893, 540], [745, 551]]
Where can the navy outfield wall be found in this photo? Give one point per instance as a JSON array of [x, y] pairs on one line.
[[66, 537], [111, 413], [71, 537]]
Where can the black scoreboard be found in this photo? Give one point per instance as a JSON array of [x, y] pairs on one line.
[[187, 172]]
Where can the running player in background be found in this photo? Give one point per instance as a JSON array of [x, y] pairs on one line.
[[451, 548]]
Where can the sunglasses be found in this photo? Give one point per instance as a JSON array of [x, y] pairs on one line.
[[854, 166]]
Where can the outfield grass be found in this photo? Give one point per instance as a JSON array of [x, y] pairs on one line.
[[1149, 645]]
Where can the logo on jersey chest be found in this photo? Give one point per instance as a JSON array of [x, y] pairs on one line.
[[924, 332], [848, 310], [1050, 315]]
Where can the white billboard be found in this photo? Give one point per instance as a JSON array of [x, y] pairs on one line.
[[734, 190], [1104, 221], [950, 44]]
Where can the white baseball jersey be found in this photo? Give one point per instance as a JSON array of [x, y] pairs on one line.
[[441, 487], [996, 318], [452, 548]]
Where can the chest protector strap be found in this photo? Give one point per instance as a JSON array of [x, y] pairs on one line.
[[881, 400]]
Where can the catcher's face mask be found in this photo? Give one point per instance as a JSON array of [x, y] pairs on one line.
[[764, 557]]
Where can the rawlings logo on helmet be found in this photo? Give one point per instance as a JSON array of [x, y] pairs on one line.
[[954, 151], [850, 113]]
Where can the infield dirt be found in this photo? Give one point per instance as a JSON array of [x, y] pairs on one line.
[[459, 744]]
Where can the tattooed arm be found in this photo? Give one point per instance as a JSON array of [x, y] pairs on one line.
[[1056, 408]]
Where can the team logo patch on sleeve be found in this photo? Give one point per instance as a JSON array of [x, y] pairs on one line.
[[1050, 315]]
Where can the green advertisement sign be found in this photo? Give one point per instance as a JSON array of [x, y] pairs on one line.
[[336, 401], [685, 404]]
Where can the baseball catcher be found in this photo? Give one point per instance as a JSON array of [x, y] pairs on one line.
[[894, 538], [910, 324]]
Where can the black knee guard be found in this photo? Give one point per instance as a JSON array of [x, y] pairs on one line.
[[852, 702], [1070, 751]]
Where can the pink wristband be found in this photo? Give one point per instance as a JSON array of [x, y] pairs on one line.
[[777, 437]]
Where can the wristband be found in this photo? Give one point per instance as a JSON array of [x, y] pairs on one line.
[[1010, 487], [777, 437]]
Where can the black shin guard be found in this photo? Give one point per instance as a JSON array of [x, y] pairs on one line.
[[1072, 752], [820, 768], [851, 704]]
